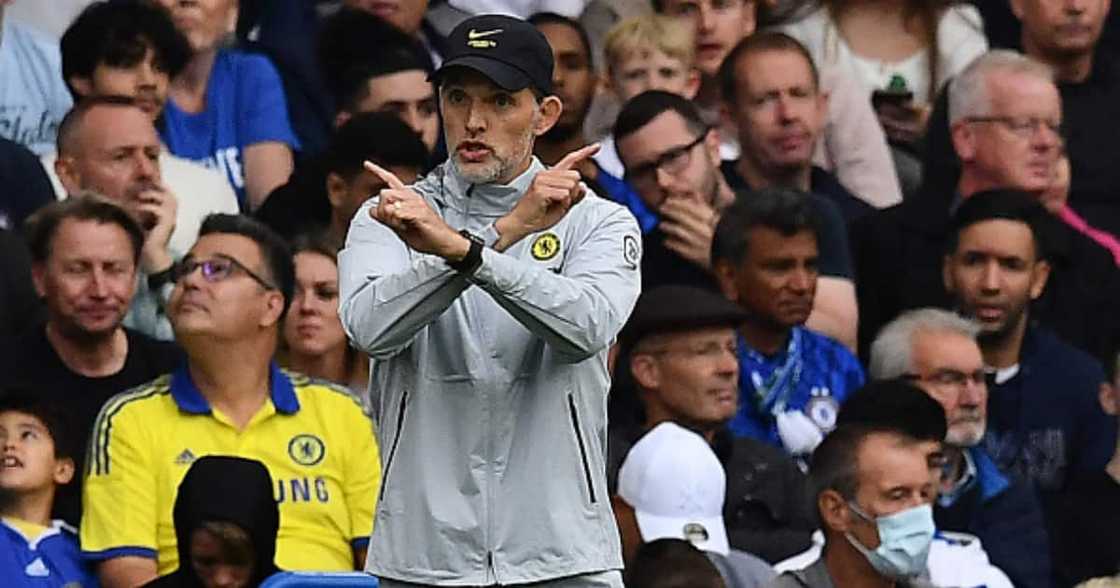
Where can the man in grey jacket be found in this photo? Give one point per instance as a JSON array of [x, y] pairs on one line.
[[487, 294]]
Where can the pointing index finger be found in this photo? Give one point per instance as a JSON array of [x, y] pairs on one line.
[[386, 176], [570, 160]]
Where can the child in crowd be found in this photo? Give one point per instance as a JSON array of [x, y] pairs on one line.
[[35, 459], [648, 52]]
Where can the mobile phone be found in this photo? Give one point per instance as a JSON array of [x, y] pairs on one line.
[[881, 97]]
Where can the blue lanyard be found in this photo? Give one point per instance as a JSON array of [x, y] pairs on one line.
[[772, 395]]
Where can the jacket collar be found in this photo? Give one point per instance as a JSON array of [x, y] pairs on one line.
[[992, 482], [485, 199], [190, 400]]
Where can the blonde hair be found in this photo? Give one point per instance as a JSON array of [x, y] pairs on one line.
[[666, 34]]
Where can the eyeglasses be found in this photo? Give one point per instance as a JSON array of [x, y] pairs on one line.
[[1022, 126], [217, 269], [949, 377], [673, 161]]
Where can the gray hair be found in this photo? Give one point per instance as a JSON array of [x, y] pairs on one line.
[[892, 350], [968, 92]]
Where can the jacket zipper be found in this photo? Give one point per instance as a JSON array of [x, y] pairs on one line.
[[393, 449], [582, 449]]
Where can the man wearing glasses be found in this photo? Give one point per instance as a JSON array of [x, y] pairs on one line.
[[231, 292], [672, 160], [1005, 117], [937, 350]]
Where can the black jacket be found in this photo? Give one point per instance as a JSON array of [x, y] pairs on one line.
[[225, 489], [898, 255]]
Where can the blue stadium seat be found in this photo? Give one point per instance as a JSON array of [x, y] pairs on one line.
[[320, 580]]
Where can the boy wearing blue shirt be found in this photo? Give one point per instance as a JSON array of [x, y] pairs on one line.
[[791, 380], [35, 460]]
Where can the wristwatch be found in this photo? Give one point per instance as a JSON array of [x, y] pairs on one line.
[[160, 279], [472, 259]]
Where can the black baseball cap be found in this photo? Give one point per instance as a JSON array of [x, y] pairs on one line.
[[509, 51]]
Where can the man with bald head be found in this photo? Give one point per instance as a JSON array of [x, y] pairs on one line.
[[110, 146]]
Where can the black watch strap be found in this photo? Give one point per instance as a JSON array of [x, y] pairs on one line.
[[160, 279], [472, 259]]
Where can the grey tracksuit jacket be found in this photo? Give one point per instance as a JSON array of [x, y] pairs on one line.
[[490, 391]]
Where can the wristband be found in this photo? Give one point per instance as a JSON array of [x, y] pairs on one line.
[[472, 259], [159, 279]]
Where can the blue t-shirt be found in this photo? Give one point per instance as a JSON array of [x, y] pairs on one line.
[[813, 374], [50, 560], [33, 97], [619, 191], [244, 106]]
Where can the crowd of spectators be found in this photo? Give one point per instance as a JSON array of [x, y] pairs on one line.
[[877, 245]]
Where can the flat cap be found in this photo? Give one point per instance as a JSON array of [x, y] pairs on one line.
[[667, 309]]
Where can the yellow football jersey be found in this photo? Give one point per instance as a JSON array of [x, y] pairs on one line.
[[314, 438]]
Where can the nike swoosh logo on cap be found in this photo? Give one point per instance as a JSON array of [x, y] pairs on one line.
[[473, 34]]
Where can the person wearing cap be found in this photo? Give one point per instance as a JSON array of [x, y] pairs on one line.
[[671, 485], [678, 364], [487, 294]]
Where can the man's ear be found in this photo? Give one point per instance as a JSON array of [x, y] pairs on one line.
[[964, 141], [946, 275], [82, 86], [550, 109], [711, 143], [750, 17], [823, 100], [834, 511], [274, 310], [725, 275], [336, 189], [1110, 403], [39, 278], [1039, 277], [645, 372], [67, 171], [341, 118], [63, 471]]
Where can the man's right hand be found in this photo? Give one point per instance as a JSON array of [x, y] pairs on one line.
[[408, 215], [688, 222], [552, 194]]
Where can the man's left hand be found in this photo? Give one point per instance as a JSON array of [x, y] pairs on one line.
[[405, 212], [155, 207], [550, 196]]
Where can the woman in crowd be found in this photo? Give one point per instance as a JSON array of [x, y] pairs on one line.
[[903, 51], [315, 343], [227, 108]]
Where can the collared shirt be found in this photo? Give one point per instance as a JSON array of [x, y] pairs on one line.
[[34, 556], [962, 485], [314, 437]]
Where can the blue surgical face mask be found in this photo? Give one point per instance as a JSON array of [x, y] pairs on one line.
[[904, 539]]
